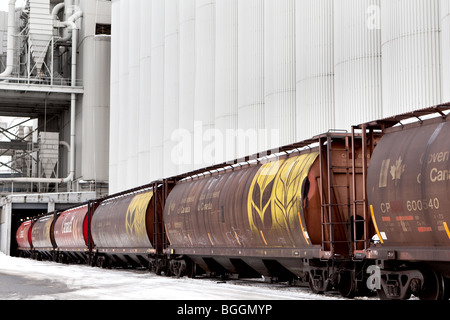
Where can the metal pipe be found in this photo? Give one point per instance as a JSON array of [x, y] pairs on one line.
[[67, 146], [69, 9], [11, 39], [57, 9], [69, 23]]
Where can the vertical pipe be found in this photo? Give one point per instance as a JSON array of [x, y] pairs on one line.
[[11, 39], [69, 8], [73, 99]]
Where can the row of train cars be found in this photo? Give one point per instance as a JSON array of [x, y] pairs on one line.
[[358, 212]]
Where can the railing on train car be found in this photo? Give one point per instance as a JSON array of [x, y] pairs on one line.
[[370, 133]]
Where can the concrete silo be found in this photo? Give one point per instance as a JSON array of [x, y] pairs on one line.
[[251, 106], [226, 80], [357, 62], [204, 109], [280, 75], [185, 151], [134, 44], [315, 67], [171, 85], [145, 129], [156, 92], [411, 55], [245, 67]]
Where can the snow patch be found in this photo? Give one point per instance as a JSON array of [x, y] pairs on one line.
[[83, 282]]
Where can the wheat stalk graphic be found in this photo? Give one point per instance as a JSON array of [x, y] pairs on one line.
[[275, 197]]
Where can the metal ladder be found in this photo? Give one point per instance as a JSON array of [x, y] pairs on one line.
[[361, 214], [337, 205]]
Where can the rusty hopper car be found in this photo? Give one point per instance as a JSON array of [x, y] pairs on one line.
[[42, 237], [408, 183], [123, 228], [290, 216], [72, 235], [23, 238]]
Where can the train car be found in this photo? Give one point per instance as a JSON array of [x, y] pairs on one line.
[[407, 188], [72, 234], [293, 215], [125, 228], [23, 239], [354, 212], [42, 237]]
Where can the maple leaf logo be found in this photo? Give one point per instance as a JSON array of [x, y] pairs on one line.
[[397, 169]]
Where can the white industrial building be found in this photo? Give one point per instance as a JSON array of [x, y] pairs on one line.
[[196, 82], [54, 83]]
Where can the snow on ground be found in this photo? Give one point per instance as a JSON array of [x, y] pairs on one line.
[[81, 282]]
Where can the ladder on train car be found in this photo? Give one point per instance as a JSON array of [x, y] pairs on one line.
[[341, 221], [367, 139]]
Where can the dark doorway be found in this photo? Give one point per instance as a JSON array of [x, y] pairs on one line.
[[17, 218]]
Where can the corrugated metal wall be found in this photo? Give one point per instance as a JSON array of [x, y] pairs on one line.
[[145, 56], [357, 62], [204, 81], [251, 107], [279, 72], [156, 94], [171, 80], [315, 67], [445, 49], [226, 81], [204, 108], [186, 26], [411, 54]]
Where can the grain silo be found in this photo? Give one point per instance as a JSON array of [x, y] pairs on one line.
[[222, 79], [411, 56]]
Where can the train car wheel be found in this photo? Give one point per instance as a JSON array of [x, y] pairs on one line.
[[162, 268], [433, 287], [446, 289], [346, 285]]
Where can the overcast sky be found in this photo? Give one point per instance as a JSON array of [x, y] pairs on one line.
[[4, 4]]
